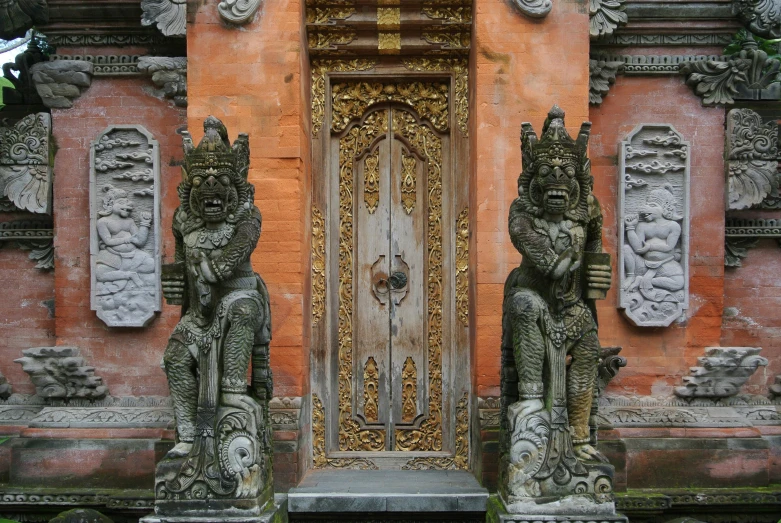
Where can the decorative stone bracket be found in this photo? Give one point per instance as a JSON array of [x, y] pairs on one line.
[[605, 16], [60, 82], [36, 236], [169, 74], [721, 372], [21, 15], [60, 372], [25, 168], [744, 234], [761, 17], [752, 160]]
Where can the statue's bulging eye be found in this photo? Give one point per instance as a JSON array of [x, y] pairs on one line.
[[225, 180], [570, 171], [197, 181], [545, 170]]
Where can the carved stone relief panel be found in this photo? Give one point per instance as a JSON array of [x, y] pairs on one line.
[[752, 159], [654, 225], [25, 170], [125, 226]]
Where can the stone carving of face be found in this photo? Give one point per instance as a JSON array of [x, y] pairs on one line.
[[555, 184], [651, 211], [122, 207], [213, 195]]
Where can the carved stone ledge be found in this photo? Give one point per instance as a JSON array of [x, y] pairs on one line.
[[605, 16], [761, 17], [170, 16], [602, 74], [721, 372], [36, 236], [752, 159], [17, 16], [238, 11], [653, 40], [747, 75], [107, 65], [169, 74], [652, 65], [60, 82], [25, 171], [742, 234], [61, 372]]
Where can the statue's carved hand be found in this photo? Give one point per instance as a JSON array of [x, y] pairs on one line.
[[172, 278], [585, 452], [644, 249], [598, 276], [521, 409], [145, 219], [562, 265], [631, 220]]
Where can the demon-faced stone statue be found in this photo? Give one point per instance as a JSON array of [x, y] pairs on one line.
[[550, 349], [221, 464]]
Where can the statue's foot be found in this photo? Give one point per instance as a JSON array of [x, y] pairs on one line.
[[585, 452], [180, 450], [521, 409]]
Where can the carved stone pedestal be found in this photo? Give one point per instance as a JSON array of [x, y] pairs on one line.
[[208, 512], [571, 509]]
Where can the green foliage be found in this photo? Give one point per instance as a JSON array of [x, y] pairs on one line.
[[4, 83], [771, 47], [8, 521]]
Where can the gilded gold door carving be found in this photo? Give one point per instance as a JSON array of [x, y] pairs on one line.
[[396, 276]]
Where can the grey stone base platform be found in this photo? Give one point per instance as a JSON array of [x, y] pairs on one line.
[[377, 491], [276, 513], [496, 513]]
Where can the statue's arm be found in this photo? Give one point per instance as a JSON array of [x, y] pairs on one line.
[[594, 229], [239, 247], [178, 240], [533, 246]]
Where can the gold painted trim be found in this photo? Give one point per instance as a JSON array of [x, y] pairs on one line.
[[319, 69], [429, 436], [319, 459], [349, 101], [459, 67], [388, 18], [459, 40], [461, 458], [389, 43], [318, 265], [462, 267], [371, 181], [408, 181], [409, 391], [329, 39], [371, 391], [449, 14], [358, 139], [326, 15]]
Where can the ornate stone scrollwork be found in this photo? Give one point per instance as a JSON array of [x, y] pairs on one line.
[[36, 236], [752, 159], [746, 74], [125, 226], [169, 74], [605, 16], [170, 16], [654, 228], [17, 16], [238, 11], [601, 75], [721, 372], [60, 82], [744, 234], [61, 373], [534, 8], [25, 170], [761, 17]]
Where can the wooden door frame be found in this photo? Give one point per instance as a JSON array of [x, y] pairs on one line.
[[324, 301]]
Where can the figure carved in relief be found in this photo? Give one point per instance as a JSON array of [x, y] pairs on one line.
[[652, 258], [549, 317], [123, 269], [223, 431]]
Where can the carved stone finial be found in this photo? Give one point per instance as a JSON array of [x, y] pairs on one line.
[[238, 11], [169, 74], [60, 82], [602, 75], [721, 372], [170, 16], [752, 158], [222, 462], [25, 172], [534, 8], [61, 373], [17, 16], [605, 16]]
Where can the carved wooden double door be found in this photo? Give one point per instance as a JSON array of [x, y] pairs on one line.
[[395, 395]]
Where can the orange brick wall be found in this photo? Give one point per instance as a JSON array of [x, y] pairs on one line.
[[519, 69], [127, 359], [658, 357], [252, 79]]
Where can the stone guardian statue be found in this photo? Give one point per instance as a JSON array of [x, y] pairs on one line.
[[550, 349], [221, 463]]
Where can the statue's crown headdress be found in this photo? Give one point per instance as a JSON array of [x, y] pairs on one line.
[[555, 142], [214, 151]]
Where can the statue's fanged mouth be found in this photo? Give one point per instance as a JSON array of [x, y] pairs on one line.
[[213, 206], [556, 199]]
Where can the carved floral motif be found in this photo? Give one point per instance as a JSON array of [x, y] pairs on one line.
[[25, 171], [752, 154], [61, 372], [461, 88], [601, 75], [319, 459], [318, 265], [721, 372], [762, 17], [605, 16], [238, 11], [319, 69], [169, 16]]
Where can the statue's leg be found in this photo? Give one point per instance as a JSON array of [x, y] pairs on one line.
[[581, 379], [180, 367], [244, 317], [525, 310]]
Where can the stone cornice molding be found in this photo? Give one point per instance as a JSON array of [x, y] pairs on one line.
[[34, 235]]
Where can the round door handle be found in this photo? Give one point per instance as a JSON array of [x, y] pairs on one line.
[[397, 280]]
